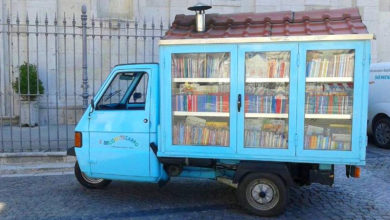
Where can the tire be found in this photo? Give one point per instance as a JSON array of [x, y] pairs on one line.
[[263, 194], [381, 132], [90, 183]]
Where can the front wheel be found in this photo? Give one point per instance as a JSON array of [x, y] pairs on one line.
[[263, 194], [88, 182]]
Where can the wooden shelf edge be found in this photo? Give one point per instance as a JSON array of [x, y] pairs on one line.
[[328, 116], [206, 114], [266, 115], [270, 80], [329, 79], [201, 80]]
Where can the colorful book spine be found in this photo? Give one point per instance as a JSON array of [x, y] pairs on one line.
[[200, 66], [201, 103], [340, 65], [187, 134], [266, 104]]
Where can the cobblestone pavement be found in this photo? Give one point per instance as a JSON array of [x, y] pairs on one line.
[[61, 197]]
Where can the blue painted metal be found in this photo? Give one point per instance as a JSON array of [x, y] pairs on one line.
[[357, 113], [119, 140], [292, 48], [198, 172], [166, 100], [295, 152]]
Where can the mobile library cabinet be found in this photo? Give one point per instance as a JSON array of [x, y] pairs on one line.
[[259, 102], [276, 98]]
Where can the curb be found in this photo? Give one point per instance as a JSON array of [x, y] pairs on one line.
[[35, 163], [34, 154]]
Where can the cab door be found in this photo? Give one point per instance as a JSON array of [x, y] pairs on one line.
[[119, 126]]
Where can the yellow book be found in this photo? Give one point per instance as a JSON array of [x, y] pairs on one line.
[[217, 124]]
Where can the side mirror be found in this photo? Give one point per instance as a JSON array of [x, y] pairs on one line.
[[93, 104], [137, 95]]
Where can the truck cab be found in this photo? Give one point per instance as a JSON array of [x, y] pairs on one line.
[[119, 125]]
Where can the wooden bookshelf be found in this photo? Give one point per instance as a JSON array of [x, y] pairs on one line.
[[206, 80], [329, 79], [328, 116], [267, 80], [266, 115], [200, 114]]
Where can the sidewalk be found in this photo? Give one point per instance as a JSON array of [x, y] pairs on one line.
[[35, 164]]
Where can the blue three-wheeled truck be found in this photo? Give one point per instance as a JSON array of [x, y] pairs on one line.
[[257, 101]]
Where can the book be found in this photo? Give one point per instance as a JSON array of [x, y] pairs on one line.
[[341, 64], [267, 64], [201, 65], [197, 131]]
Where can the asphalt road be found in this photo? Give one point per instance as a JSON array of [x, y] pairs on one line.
[[61, 197]]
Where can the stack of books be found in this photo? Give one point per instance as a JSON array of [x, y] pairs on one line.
[[266, 98], [199, 131], [330, 98], [266, 133], [328, 138], [266, 104], [193, 97], [267, 65], [202, 65], [201, 103], [339, 65]]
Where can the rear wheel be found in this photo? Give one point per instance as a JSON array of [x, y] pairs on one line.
[[91, 183], [263, 194], [381, 131]]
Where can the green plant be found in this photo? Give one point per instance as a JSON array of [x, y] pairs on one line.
[[28, 84]]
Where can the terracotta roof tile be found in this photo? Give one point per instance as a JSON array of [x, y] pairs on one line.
[[284, 23]]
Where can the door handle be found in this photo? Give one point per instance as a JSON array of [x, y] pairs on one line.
[[145, 120], [239, 103]]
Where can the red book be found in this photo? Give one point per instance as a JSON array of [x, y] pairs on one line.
[[246, 103], [189, 102], [330, 105], [282, 66], [225, 101], [261, 104], [278, 105]]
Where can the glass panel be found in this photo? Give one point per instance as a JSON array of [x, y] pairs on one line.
[[329, 99], [140, 92], [116, 95], [267, 64], [266, 99], [200, 99]]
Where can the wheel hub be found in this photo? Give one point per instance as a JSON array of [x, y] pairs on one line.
[[262, 193]]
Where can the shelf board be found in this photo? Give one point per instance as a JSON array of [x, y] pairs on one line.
[[183, 80], [266, 80], [266, 115], [329, 79], [328, 116], [205, 114]]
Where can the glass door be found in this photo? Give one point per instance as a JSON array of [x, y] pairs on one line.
[[268, 74], [200, 99], [201, 93], [330, 107]]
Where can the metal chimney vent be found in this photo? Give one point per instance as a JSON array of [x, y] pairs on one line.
[[200, 16]]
